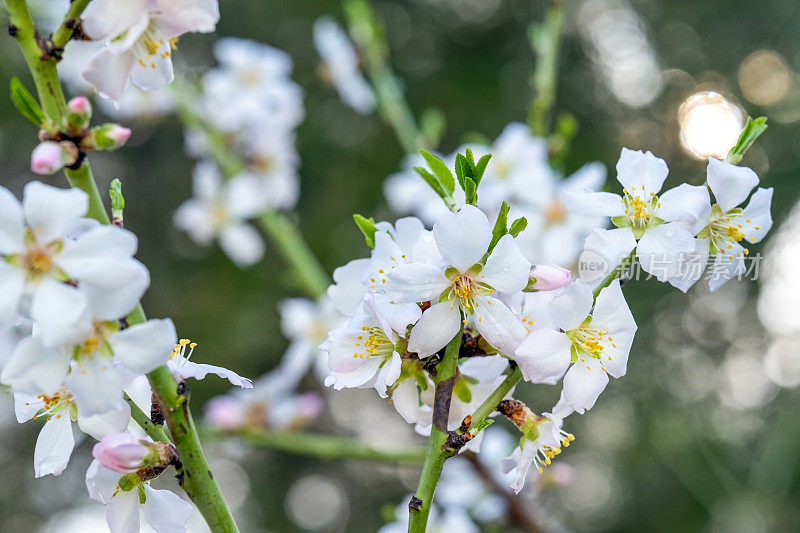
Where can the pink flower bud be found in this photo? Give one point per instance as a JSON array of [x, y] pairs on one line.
[[550, 277], [49, 157], [119, 134], [80, 105], [225, 413], [121, 452]]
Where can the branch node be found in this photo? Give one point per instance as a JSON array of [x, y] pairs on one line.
[[156, 414], [12, 30], [415, 504]]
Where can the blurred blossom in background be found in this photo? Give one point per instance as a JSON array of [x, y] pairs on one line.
[[701, 435]]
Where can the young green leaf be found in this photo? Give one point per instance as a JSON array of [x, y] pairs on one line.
[[517, 226], [25, 103], [462, 170], [367, 227], [440, 170], [500, 226], [480, 168], [431, 180], [752, 130], [117, 200], [471, 191]]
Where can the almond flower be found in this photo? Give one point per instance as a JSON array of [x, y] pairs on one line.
[[726, 226], [659, 228], [182, 368], [140, 36], [592, 344], [44, 243], [464, 283]]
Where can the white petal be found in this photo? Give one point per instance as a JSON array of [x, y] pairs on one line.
[[758, 214], [590, 203], [691, 266], [194, 217], [109, 299], [388, 374], [544, 356], [405, 399], [165, 511], [498, 325], [398, 315], [641, 172], [12, 225], [731, 184], [686, 204], [109, 72], [95, 386], [728, 264], [571, 305], [416, 282], [106, 19], [61, 312], [590, 176], [661, 249], [12, 284], [506, 270], [51, 211], [35, 369], [246, 195], [54, 445], [153, 71], [26, 405], [101, 483], [242, 243], [199, 371], [583, 384], [611, 314], [100, 241], [347, 291], [437, 326], [144, 347], [603, 250], [122, 512], [463, 237], [100, 425], [184, 16]]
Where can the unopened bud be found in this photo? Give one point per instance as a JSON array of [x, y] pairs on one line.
[[79, 114], [50, 156], [107, 137], [121, 452], [548, 277]]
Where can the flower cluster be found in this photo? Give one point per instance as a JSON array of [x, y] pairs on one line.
[[249, 108], [520, 174], [468, 280]]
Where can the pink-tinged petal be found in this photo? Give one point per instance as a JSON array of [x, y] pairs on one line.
[[416, 282], [54, 446], [550, 277], [52, 212], [437, 326], [571, 305], [731, 184], [687, 205], [662, 249], [544, 356], [144, 347], [583, 384], [506, 270], [756, 218], [641, 172], [498, 325], [463, 237], [242, 244], [109, 72], [12, 225], [165, 511], [590, 203]]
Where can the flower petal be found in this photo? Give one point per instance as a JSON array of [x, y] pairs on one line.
[[12, 225], [756, 217], [544, 356], [112, 421], [347, 290], [198, 371], [661, 249], [416, 282], [583, 384], [122, 512], [591, 203], [61, 312], [437, 326], [144, 347], [51, 211], [54, 446], [572, 305], [604, 250], [12, 285], [241, 243], [641, 172], [498, 325], [463, 237], [34, 368], [688, 205], [506, 270], [612, 314], [728, 263], [152, 71], [108, 72], [95, 386], [165, 511], [731, 184], [388, 374]]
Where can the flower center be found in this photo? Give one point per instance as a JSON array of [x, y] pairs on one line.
[[180, 349], [53, 404], [727, 229], [639, 211], [590, 341], [373, 341], [556, 213], [37, 261]]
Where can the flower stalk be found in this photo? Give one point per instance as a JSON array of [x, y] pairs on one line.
[[196, 478], [545, 40]]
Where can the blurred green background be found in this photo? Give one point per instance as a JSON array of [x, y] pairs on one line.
[[699, 436]]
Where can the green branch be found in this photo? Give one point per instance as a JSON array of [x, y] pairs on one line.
[[196, 478], [155, 432], [324, 447], [545, 39], [64, 32], [489, 405], [420, 506]]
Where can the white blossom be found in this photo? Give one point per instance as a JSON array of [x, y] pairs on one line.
[[182, 368]]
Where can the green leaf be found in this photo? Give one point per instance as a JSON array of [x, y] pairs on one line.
[[440, 170], [471, 191], [431, 180], [462, 392], [462, 170], [117, 200], [480, 426], [26, 103], [367, 227], [480, 168], [500, 226], [517, 226], [752, 130]]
